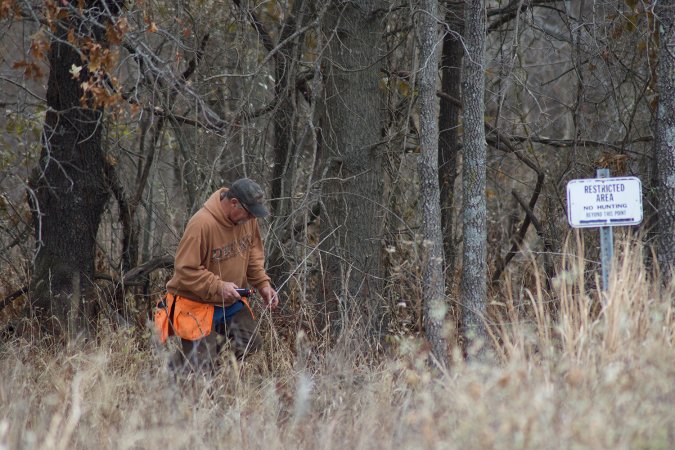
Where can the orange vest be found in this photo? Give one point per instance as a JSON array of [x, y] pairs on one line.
[[185, 318]]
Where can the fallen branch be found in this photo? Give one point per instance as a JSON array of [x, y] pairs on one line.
[[131, 278], [13, 296]]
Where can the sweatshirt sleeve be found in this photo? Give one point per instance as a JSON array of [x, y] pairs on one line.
[[190, 271], [255, 272]]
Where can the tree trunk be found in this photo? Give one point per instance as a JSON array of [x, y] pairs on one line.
[[473, 285], [433, 283], [285, 147], [448, 123], [68, 192], [664, 157], [352, 220]]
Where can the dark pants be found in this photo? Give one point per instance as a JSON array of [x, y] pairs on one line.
[[239, 334]]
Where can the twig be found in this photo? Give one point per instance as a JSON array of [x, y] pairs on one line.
[[520, 236], [13, 296]]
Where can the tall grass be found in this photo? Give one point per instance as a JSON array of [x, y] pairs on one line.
[[597, 370]]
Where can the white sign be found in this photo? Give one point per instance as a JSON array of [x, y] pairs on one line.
[[604, 202]]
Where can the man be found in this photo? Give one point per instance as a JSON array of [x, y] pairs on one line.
[[220, 251]]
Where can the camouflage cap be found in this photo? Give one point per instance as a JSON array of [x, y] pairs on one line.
[[250, 195]]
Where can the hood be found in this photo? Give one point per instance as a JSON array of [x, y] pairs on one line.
[[213, 206]]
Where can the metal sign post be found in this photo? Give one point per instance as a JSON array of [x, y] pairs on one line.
[[604, 203], [606, 244]]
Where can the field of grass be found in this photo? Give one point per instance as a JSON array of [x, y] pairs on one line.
[[599, 376]]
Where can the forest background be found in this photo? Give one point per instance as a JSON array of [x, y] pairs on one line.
[[415, 154]]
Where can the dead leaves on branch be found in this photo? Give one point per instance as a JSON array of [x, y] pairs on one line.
[[9, 9], [100, 89], [99, 57], [34, 67], [114, 32], [30, 69]]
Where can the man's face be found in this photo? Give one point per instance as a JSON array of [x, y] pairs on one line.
[[239, 214]]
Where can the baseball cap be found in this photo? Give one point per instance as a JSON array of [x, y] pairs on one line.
[[250, 195]]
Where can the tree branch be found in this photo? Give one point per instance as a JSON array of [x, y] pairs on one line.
[[185, 76], [564, 143], [501, 138], [263, 34], [510, 11], [520, 236]]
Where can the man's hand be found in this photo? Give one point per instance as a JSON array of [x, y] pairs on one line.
[[269, 296], [229, 293]]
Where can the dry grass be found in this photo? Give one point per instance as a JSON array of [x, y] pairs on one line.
[[598, 377]]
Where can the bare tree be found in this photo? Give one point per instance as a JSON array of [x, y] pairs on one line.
[[433, 284], [353, 139], [664, 157], [285, 115], [473, 286], [449, 123], [68, 191]]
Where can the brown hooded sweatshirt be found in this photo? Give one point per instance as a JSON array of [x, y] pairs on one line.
[[214, 250]]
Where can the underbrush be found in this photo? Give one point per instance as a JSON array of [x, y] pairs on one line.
[[596, 371]]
